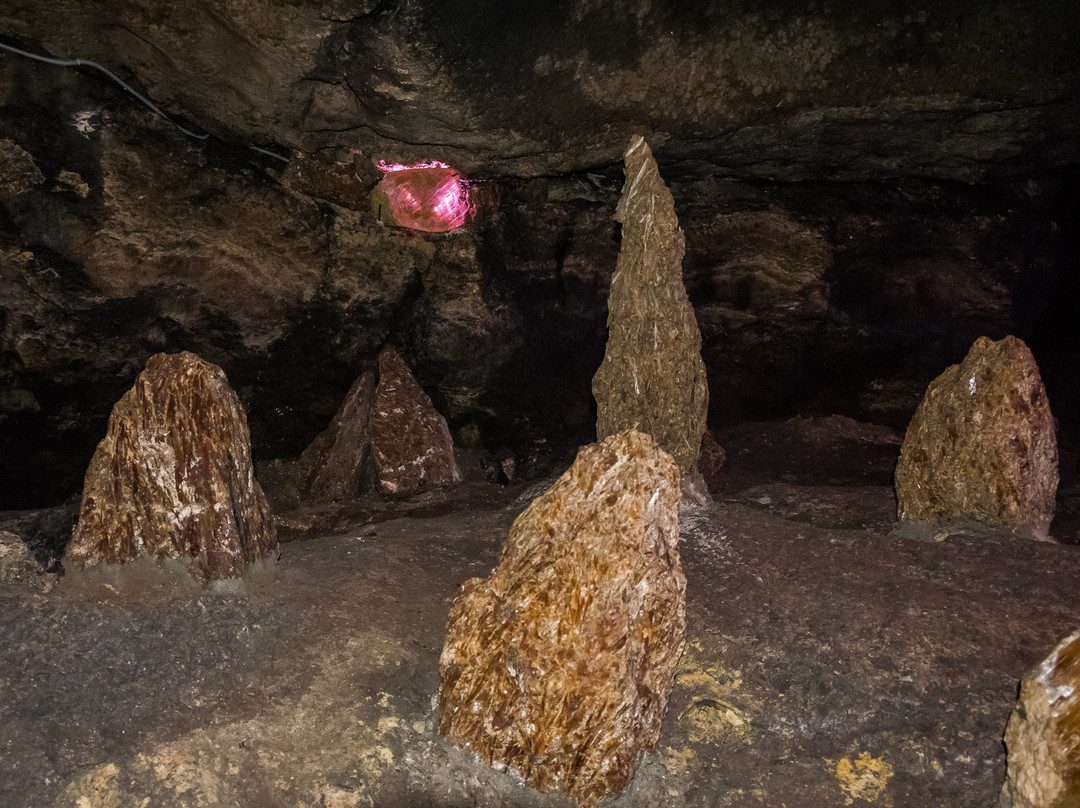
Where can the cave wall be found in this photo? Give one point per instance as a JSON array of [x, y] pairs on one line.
[[864, 191]]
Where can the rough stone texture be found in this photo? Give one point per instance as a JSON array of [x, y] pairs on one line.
[[981, 446], [652, 377], [18, 565], [410, 440], [712, 455], [332, 467], [139, 240], [18, 171], [559, 665], [173, 477], [329, 176], [845, 91], [185, 245], [1043, 735], [818, 663]]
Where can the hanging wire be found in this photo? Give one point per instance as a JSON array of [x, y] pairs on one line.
[[129, 88]]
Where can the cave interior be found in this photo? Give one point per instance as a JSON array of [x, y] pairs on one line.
[[864, 188]]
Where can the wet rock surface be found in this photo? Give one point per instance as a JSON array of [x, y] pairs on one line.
[[1042, 737], [981, 446], [173, 478], [652, 377], [559, 665], [821, 664]]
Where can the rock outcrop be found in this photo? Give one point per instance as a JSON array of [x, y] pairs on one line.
[[652, 377], [559, 665], [173, 477], [332, 467], [981, 446], [410, 440], [1043, 735]]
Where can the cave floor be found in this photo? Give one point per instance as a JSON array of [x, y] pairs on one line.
[[828, 661]]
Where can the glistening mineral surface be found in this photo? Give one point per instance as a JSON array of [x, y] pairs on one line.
[[981, 446], [173, 477], [652, 377], [559, 665]]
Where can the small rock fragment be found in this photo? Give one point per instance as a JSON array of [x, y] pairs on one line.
[[332, 467], [19, 172], [712, 456], [981, 445], [652, 377], [1043, 734], [410, 440], [173, 477], [18, 565], [325, 175], [559, 665]]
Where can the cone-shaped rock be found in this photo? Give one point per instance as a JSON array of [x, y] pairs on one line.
[[332, 467], [173, 476], [981, 445], [652, 377], [410, 440], [559, 665], [1043, 735]]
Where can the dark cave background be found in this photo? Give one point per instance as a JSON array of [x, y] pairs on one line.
[[864, 191]]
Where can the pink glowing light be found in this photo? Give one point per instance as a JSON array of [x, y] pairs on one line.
[[385, 166], [427, 196]]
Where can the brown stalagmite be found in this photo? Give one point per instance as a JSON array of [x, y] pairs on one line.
[[652, 377], [332, 466], [1043, 735], [410, 440], [981, 446], [173, 476], [559, 665]]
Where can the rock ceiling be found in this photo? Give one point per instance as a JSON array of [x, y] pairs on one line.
[[848, 90]]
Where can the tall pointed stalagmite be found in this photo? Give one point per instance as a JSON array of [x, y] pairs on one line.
[[652, 377]]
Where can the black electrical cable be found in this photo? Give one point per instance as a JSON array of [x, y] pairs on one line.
[[129, 88]]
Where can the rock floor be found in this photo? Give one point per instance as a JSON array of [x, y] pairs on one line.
[[829, 662]]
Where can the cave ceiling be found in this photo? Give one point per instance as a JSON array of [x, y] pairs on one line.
[[790, 91]]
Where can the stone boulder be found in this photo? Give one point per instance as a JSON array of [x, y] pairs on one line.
[[332, 467], [410, 440], [981, 446], [559, 665], [652, 377], [1043, 734], [173, 477]]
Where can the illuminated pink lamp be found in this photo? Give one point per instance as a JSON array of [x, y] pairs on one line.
[[427, 196]]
